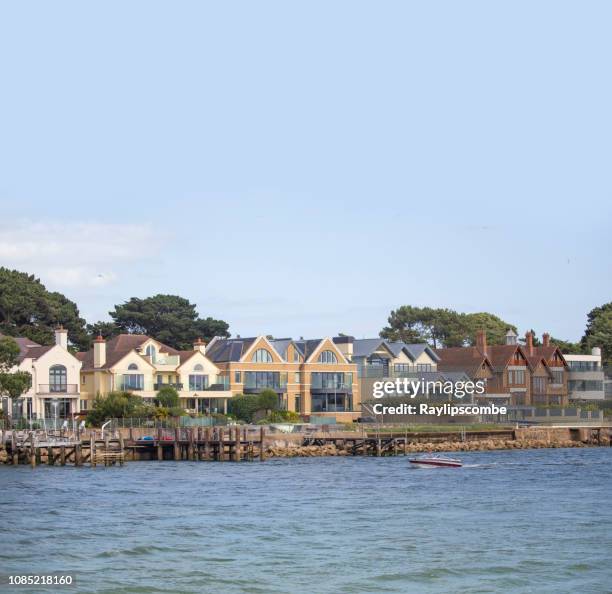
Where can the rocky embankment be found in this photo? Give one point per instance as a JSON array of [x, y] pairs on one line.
[[294, 450]]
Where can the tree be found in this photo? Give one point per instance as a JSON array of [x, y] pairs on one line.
[[245, 407], [12, 383], [105, 329], [28, 309], [566, 346], [598, 331], [167, 397], [170, 319], [494, 327], [442, 327]]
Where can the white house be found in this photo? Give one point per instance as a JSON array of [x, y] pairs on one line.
[[55, 371]]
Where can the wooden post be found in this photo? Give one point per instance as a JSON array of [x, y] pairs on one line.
[[221, 443], [121, 447], [14, 450], [77, 455], [177, 448], [106, 458], [207, 443], [238, 451], [50, 456], [262, 449], [63, 455], [190, 448], [378, 447], [92, 449], [32, 450]]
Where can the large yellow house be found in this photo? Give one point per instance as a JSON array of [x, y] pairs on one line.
[[311, 377], [140, 364]]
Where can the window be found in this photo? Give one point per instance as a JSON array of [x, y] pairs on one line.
[[557, 376], [83, 404], [331, 381], [402, 367], [296, 356], [328, 357], [58, 378], [237, 377], [198, 367], [132, 381], [297, 379], [516, 377], [298, 403], [82, 379], [262, 356], [331, 402], [539, 385], [132, 367], [260, 380], [151, 352], [198, 382], [424, 367]]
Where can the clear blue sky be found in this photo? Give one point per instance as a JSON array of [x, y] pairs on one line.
[[302, 169]]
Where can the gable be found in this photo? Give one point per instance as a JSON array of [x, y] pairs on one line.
[[327, 344], [198, 359], [261, 343], [132, 357]]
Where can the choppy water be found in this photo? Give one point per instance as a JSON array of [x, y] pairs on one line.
[[516, 521]]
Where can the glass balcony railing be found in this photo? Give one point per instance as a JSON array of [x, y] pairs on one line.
[[331, 382], [256, 381]]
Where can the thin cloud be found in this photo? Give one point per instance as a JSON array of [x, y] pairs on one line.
[[75, 255]]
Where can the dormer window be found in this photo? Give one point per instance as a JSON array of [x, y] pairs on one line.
[[328, 357], [262, 356]]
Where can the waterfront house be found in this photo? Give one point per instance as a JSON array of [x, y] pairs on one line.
[[505, 368], [54, 391], [378, 359], [586, 377], [140, 364], [549, 372], [311, 377]]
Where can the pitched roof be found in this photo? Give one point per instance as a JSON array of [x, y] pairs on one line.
[[364, 347], [28, 348], [225, 350], [117, 348], [468, 359], [541, 352]]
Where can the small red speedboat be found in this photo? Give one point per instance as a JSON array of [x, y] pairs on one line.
[[435, 461]]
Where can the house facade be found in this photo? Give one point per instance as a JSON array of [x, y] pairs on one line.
[[140, 364], [310, 377], [549, 372], [504, 368], [586, 377], [54, 391]]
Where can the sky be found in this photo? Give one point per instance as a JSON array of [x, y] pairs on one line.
[[301, 169]]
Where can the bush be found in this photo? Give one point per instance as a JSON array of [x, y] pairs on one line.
[[114, 405], [167, 397], [245, 407], [281, 416]]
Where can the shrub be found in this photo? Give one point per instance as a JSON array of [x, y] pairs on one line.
[[114, 405], [167, 397]]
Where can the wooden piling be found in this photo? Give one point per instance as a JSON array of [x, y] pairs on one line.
[[262, 449], [63, 455], [177, 449], [77, 455]]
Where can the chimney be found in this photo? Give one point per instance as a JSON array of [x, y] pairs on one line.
[[546, 339], [99, 352], [199, 345], [529, 342], [345, 345], [481, 341], [61, 337]]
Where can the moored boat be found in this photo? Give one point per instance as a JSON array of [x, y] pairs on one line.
[[435, 461]]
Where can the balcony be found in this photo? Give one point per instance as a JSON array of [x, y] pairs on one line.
[[159, 385], [257, 381], [58, 389], [322, 383]]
